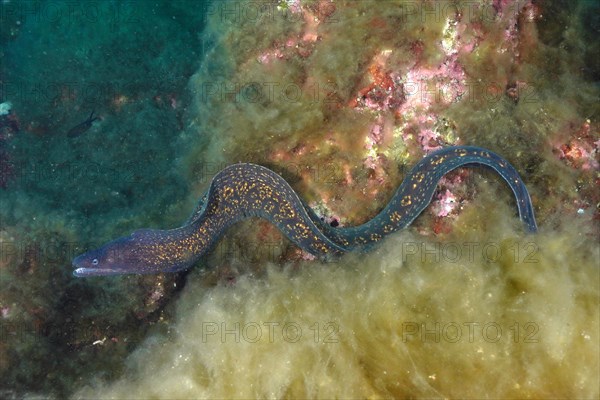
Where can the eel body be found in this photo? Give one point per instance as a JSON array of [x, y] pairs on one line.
[[246, 190]]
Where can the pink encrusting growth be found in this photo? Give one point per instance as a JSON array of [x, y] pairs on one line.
[[303, 44], [582, 151], [446, 203]]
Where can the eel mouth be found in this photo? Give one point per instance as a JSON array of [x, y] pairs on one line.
[[83, 272], [83, 267]]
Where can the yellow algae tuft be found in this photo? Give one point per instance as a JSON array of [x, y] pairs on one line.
[[514, 315]]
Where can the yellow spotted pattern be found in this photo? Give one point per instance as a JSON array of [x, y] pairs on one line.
[[246, 190]]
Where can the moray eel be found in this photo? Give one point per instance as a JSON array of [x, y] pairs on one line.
[[246, 190]]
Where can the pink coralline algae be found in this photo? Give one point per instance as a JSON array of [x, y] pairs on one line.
[[446, 202], [581, 152], [413, 95], [303, 44], [384, 92], [418, 95]]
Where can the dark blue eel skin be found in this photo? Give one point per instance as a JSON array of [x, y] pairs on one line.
[[246, 190]]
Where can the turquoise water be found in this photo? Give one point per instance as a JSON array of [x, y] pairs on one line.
[[130, 63], [144, 161]]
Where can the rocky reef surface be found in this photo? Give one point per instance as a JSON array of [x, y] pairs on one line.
[[341, 98]]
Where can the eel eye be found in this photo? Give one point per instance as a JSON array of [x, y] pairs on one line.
[[95, 261]]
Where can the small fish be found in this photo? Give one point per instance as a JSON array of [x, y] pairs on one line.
[[82, 127]]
